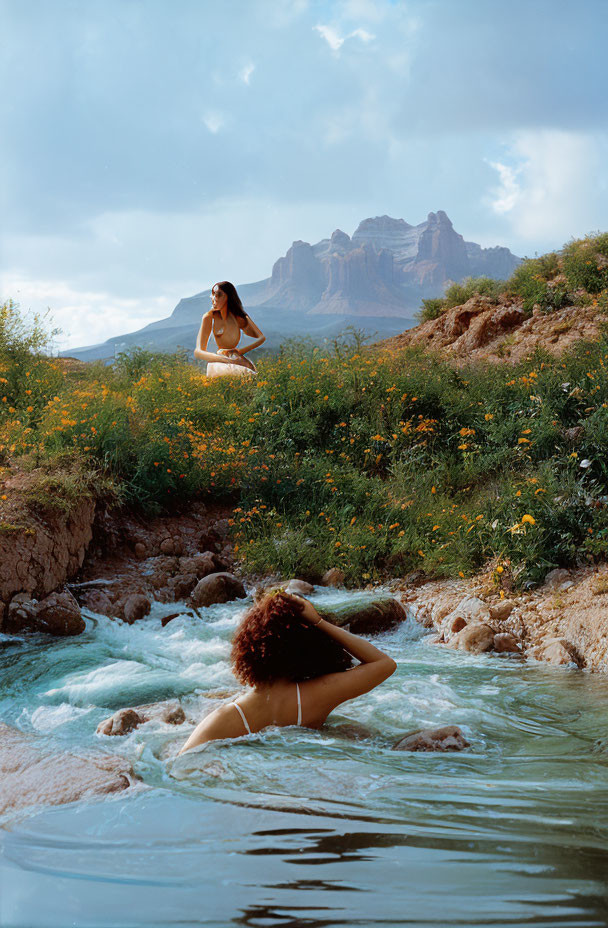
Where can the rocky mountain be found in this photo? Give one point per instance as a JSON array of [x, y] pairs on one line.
[[373, 280]]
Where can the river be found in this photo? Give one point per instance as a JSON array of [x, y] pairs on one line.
[[301, 828]]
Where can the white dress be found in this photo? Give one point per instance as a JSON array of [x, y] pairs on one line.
[[217, 369]]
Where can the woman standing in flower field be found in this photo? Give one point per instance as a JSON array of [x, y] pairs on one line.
[[227, 319]]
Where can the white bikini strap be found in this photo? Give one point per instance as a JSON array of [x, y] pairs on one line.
[[299, 722], [242, 714]]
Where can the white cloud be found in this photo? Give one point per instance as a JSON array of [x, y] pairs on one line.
[[214, 121], [85, 316], [508, 193], [335, 41], [246, 72], [549, 184]]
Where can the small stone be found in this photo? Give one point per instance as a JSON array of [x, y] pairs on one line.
[[121, 723], [476, 639], [333, 577], [209, 541], [300, 586], [217, 588], [556, 577], [140, 550], [174, 715], [448, 738], [135, 607], [20, 615], [99, 602], [167, 546], [502, 610], [183, 584], [168, 618], [505, 642], [201, 564]]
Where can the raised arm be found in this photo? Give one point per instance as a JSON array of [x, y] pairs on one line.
[[331, 689]]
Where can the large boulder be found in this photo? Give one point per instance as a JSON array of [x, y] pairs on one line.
[[474, 638], [448, 738], [220, 587], [59, 614], [32, 776], [365, 616]]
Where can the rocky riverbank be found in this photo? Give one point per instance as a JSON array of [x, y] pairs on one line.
[[564, 621], [117, 563]]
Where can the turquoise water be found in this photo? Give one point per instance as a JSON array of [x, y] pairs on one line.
[[295, 827]]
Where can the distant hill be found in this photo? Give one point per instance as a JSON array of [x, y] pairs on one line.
[[374, 280]]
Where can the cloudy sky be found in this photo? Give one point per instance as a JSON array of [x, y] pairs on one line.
[[151, 147]]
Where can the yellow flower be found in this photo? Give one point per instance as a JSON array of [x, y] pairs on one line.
[[528, 518], [488, 416]]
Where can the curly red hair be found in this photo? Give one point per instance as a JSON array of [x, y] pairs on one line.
[[274, 642]]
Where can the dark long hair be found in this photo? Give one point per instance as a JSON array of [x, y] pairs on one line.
[[274, 642], [234, 301]]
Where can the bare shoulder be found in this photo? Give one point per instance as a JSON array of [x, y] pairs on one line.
[[223, 722], [208, 314]]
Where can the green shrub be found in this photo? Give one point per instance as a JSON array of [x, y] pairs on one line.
[[431, 309], [458, 293], [533, 281], [586, 263]]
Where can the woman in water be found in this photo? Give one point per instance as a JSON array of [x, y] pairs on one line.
[[299, 668], [227, 319]]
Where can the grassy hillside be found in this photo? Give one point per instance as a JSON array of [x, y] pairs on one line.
[[376, 462], [575, 275]]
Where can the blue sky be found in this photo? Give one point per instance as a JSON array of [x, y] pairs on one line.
[[151, 147]]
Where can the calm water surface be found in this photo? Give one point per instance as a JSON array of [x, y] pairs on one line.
[[302, 828]]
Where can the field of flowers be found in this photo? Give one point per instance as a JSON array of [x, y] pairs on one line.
[[373, 462]]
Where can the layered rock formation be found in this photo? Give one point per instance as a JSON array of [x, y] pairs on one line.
[[371, 280]]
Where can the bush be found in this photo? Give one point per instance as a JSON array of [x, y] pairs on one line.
[[586, 263], [430, 309], [458, 293], [533, 281]]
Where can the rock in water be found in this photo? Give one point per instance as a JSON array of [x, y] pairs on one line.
[[449, 738], [32, 777], [365, 617], [217, 588], [59, 614], [300, 586], [121, 723], [474, 638], [135, 607]]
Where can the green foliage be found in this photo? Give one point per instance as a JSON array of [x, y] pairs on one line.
[[431, 309], [349, 456], [586, 263], [458, 293], [534, 281]]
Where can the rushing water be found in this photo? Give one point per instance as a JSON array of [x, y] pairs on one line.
[[295, 827]]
